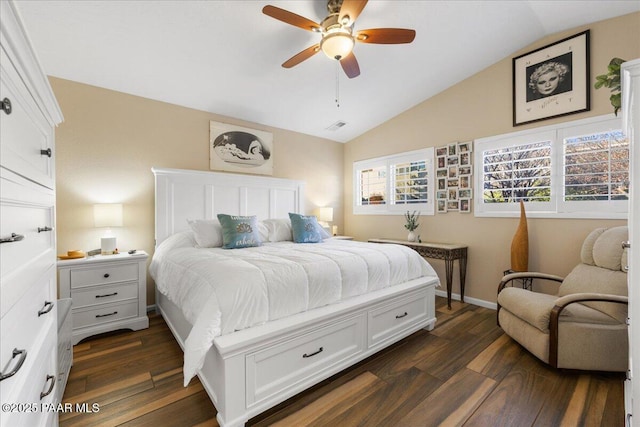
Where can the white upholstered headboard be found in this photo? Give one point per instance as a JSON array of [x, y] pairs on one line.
[[187, 194]]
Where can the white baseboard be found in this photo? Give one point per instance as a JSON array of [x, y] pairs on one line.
[[474, 301], [151, 308]]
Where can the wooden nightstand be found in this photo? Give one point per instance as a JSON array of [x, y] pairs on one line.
[[108, 292]]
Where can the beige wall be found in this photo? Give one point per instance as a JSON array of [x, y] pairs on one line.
[[479, 107], [109, 141]]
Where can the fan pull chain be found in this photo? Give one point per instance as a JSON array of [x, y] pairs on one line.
[[337, 84]]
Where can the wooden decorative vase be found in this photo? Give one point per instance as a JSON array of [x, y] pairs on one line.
[[520, 244]]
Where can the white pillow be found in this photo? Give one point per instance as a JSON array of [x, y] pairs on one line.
[[263, 231], [278, 230], [207, 232]]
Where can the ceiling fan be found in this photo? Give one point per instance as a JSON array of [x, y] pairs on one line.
[[338, 37]]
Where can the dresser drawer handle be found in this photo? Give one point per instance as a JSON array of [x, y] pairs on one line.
[[402, 315], [53, 384], [23, 356], [106, 275], [107, 295], [47, 307], [106, 315], [6, 105], [45, 228], [14, 238], [46, 152], [313, 354]]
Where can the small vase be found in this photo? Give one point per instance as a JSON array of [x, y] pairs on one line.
[[411, 237]]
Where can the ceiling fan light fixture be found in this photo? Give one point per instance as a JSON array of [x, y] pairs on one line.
[[337, 44]]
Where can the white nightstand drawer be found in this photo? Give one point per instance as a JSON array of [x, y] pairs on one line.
[[281, 367], [104, 294], [102, 274], [104, 314], [389, 320]]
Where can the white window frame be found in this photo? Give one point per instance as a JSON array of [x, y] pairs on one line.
[[556, 207], [389, 207]]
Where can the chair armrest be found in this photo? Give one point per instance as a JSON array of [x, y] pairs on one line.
[[523, 275], [564, 301], [528, 275], [560, 305]]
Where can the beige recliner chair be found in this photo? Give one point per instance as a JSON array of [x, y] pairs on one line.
[[584, 325]]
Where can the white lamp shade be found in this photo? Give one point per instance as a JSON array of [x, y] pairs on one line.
[[107, 215], [325, 214]]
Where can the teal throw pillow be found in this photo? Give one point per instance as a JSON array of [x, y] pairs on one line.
[[305, 228], [239, 231]]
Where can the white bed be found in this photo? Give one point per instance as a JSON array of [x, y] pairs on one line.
[[252, 369]]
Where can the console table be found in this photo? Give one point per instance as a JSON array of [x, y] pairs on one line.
[[449, 252]]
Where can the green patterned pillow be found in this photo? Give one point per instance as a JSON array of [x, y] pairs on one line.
[[239, 231], [305, 228]]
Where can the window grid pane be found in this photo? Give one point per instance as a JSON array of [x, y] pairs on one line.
[[520, 172], [373, 186], [596, 167], [410, 182]]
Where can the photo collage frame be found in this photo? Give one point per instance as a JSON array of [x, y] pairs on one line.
[[454, 173]]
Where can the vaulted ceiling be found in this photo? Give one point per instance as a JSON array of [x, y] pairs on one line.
[[225, 57]]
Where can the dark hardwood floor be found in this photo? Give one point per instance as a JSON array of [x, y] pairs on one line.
[[465, 372]]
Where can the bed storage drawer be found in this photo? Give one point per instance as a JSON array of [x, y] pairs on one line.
[[280, 367], [389, 320]]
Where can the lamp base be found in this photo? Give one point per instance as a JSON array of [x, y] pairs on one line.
[[108, 246]]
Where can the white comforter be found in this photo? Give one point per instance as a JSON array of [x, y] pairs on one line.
[[224, 290]]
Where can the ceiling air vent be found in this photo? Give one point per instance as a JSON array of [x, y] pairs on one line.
[[337, 125]]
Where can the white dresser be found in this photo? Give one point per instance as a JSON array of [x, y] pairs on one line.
[[109, 292], [28, 322]]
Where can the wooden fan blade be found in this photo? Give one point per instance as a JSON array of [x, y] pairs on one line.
[[350, 66], [351, 9], [299, 57], [385, 36], [290, 18]]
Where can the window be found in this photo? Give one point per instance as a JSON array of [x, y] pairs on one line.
[[373, 186], [574, 170], [394, 184]]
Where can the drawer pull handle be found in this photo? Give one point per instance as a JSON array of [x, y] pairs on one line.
[[53, 384], [14, 238], [402, 315], [6, 105], [23, 356], [106, 315], [47, 307], [45, 228], [106, 295], [314, 353], [106, 275], [46, 152]]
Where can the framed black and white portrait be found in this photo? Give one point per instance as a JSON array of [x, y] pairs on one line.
[[552, 81], [237, 149]]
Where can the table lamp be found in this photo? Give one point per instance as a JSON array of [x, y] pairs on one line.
[[325, 216], [107, 215]]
